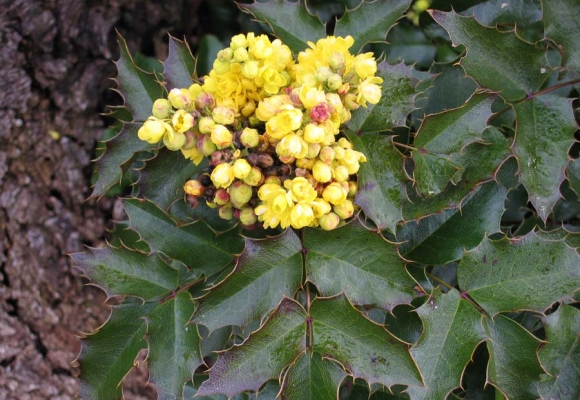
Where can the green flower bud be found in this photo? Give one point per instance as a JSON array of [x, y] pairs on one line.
[[180, 98], [173, 140], [255, 177], [238, 41], [341, 173], [226, 212], [248, 216], [334, 82], [221, 67], [241, 168], [221, 136], [352, 188], [329, 221], [250, 69], [225, 55], [240, 55], [204, 101], [250, 138], [344, 210], [322, 74], [161, 108], [350, 102], [221, 197], [205, 145], [337, 62], [206, 124], [240, 193]]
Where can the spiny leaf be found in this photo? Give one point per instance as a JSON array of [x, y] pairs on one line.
[[499, 61], [378, 17], [562, 22], [174, 348], [291, 22], [560, 357], [544, 133], [527, 273], [262, 356], [359, 263], [573, 175], [397, 101], [179, 67], [443, 137], [365, 349], [267, 270], [107, 355], [513, 362], [451, 332], [312, 377], [522, 13], [381, 179], [120, 271], [194, 244]]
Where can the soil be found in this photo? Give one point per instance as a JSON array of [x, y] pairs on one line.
[[55, 64]]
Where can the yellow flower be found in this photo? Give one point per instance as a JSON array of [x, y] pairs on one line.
[[322, 172], [180, 98], [321, 207], [221, 136], [300, 189], [194, 188], [344, 210], [222, 176], [192, 154], [365, 65], [223, 115], [276, 208], [152, 130], [311, 96], [314, 133], [292, 145], [334, 193], [302, 215], [173, 140], [271, 80], [286, 121], [368, 90], [271, 106], [241, 168], [182, 121]]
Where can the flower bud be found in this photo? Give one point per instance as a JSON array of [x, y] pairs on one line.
[[255, 177], [152, 130], [225, 55], [190, 140], [241, 168], [334, 82], [264, 160], [250, 69], [222, 176], [249, 108], [326, 155], [194, 188], [205, 124], [305, 163], [182, 121], [195, 90], [240, 193], [272, 179], [350, 102], [338, 152], [314, 133], [180, 98], [250, 138], [352, 188], [341, 173], [204, 101], [192, 154], [248, 216], [334, 193], [161, 108], [206, 146], [301, 215], [238, 41], [173, 140], [221, 197], [321, 207], [320, 112], [313, 150], [365, 65], [223, 115], [226, 212], [322, 172], [337, 62], [240, 55], [329, 221], [322, 74], [344, 143], [221, 136], [344, 210]]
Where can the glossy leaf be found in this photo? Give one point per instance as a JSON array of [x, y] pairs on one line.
[[521, 13], [378, 17], [262, 356], [562, 19], [451, 332], [365, 349], [291, 22], [544, 133], [560, 356], [267, 270], [312, 377], [498, 61], [194, 244], [397, 101], [573, 175], [513, 362], [359, 263], [381, 180], [528, 273], [179, 67]]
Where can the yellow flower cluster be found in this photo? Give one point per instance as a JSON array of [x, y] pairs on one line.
[[270, 127]]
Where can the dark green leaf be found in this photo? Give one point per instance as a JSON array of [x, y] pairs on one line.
[[544, 134], [404, 323], [562, 21], [262, 356], [573, 175], [209, 46], [513, 361], [560, 357], [432, 172], [179, 67], [365, 349], [312, 377], [407, 43], [527, 273], [291, 22], [521, 13], [359, 263], [499, 61], [378, 17], [267, 270], [174, 349]]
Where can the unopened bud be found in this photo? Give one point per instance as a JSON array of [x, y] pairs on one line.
[[180, 98], [322, 172], [223, 115], [238, 41], [273, 179], [206, 146], [204, 102], [240, 55], [352, 188], [240, 193], [173, 140], [326, 155], [190, 140], [161, 108], [225, 55], [241, 168], [194, 188], [221, 197], [329, 221], [344, 210], [313, 150], [221, 136], [337, 62], [250, 69], [322, 74], [250, 138], [334, 82], [341, 173], [334, 193], [314, 133], [264, 160], [350, 102], [255, 177], [305, 163], [248, 216], [226, 212]]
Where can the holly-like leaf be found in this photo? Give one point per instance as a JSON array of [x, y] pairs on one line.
[[528, 273], [441, 238], [513, 361], [358, 262], [397, 101], [378, 17], [562, 21], [267, 270], [108, 354], [408, 43], [179, 67], [451, 332], [312, 377], [120, 271], [291, 22], [544, 133], [365, 349], [560, 357], [442, 137], [174, 346], [262, 356], [499, 61], [381, 180], [573, 175], [522, 13], [193, 244]]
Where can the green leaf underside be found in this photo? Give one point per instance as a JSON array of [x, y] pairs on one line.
[[107, 355], [499, 61], [544, 133], [397, 100], [262, 356], [174, 346], [359, 263], [267, 270], [560, 356], [381, 180], [312, 377], [162, 178], [441, 238], [522, 13], [120, 271], [378, 17], [451, 332], [513, 362], [179, 67], [119, 152], [528, 273], [365, 349], [193, 244], [291, 22], [562, 22]]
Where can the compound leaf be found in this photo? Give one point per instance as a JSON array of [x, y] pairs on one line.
[[179, 67], [562, 21]]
